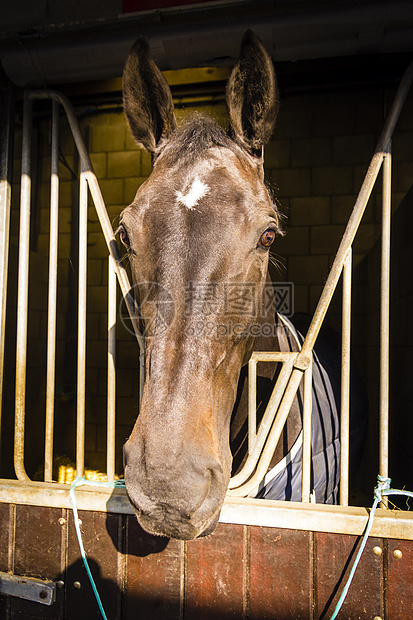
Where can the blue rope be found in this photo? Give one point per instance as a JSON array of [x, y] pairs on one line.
[[77, 482], [382, 488]]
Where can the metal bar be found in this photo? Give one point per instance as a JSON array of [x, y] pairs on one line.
[[28, 588], [22, 294], [52, 301], [345, 382], [99, 205], [81, 341], [248, 511], [316, 517], [274, 356], [252, 403], [6, 164], [307, 411], [357, 213], [273, 437], [141, 373], [111, 397], [271, 411], [385, 318]]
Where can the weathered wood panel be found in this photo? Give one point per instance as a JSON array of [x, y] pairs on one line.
[[216, 570], [39, 552], [335, 554], [7, 513], [6, 534], [243, 572], [400, 579], [281, 574], [103, 545], [154, 575]]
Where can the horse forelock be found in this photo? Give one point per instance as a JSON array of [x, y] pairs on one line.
[[192, 139]]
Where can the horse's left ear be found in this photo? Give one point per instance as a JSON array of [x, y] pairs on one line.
[[252, 95], [147, 98]]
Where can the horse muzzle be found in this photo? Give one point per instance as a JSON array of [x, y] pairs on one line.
[[167, 520], [176, 501]]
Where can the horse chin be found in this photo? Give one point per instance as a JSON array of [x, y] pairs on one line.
[[211, 528], [168, 522], [179, 531]]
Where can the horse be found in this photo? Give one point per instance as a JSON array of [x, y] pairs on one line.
[[198, 236]]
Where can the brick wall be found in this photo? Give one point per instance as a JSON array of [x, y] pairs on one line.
[[323, 144], [315, 166]]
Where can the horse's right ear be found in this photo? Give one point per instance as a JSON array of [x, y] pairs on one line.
[[252, 95], [147, 98]]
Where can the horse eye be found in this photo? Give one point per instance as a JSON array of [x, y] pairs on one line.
[[267, 238], [123, 235]]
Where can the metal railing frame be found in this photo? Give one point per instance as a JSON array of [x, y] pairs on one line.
[[88, 181], [342, 265], [295, 366]]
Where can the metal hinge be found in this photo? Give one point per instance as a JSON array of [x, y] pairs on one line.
[[29, 588]]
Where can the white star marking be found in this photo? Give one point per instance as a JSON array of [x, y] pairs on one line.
[[197, 191]]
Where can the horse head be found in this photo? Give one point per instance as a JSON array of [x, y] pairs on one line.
[[198, 235]]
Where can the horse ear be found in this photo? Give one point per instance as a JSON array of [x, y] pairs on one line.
[[147, 98], [252, 95]]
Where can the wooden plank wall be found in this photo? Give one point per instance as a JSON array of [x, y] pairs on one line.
[[242, 572]]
